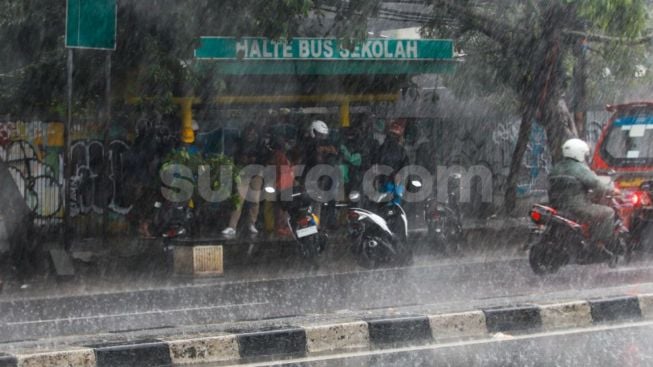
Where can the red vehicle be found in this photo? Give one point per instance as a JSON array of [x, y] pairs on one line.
[[625, 150]]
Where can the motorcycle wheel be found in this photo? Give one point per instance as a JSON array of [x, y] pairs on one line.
[[628, 247], [310, 248], [646, 238], [367, 256], [447, 241], [544, 258], [438, 239], [613, 261]]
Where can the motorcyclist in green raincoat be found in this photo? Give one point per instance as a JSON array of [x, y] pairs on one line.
[[572, 183]]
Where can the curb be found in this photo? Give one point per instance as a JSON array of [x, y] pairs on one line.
[[378, 333]]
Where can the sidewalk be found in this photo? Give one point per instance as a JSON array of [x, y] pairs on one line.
[[143, 263]]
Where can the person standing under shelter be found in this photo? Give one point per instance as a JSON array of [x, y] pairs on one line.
[[392, 152], [249, 153], [285, 181]]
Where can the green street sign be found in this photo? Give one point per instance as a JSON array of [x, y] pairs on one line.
[[323, 49], [91, 24]]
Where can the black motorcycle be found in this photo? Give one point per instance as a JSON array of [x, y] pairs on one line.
[[172, 220], [444, 220], [304, 224]]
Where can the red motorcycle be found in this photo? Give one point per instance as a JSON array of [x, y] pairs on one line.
[[641, 216], [558, 239]]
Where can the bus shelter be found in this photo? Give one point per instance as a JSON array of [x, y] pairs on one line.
[[313, 74]]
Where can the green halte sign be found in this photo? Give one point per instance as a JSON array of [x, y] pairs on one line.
[[323, 49]]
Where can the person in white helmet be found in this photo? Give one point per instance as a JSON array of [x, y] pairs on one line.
[[570, 184], [319, 150]]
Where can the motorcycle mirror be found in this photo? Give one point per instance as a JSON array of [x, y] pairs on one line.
[[416, 183], [270, 189], [382, 197], [354, 196]]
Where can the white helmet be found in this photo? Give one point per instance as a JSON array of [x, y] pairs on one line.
[[319, 127], [576, 149]]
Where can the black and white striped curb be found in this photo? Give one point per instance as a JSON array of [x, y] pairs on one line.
[[377, 333]]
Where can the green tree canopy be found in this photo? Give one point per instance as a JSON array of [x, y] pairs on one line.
[[531, 48], [155, 38]]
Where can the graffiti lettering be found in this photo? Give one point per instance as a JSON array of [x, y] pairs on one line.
[[89, 193], [36, 180]]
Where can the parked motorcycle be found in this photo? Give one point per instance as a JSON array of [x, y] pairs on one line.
[[444, 220], [172, 220], [380, 235], [304, 224], [558, 239]]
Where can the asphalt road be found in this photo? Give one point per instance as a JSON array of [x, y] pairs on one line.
[[623, 346], [282, 289]]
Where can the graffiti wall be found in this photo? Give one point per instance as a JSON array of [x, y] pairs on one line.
[[537, 159], [491, 143], [89, 191], [34, 151]]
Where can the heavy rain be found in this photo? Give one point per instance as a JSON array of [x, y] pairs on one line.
[[326, 183]]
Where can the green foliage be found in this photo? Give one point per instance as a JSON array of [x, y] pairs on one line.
[[617, 17], [31, 49], [155, 43], [622, 83], [506, 69]]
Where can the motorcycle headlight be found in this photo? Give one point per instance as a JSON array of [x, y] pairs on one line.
[[354, 196]]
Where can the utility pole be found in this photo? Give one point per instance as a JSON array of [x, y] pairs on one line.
[[66, 153], [106, 149], [90, 24]]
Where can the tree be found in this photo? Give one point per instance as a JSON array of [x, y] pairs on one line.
[[532, 42], [152, 46]]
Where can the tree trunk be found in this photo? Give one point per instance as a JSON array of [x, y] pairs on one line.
[[517, 157], [541, 95], [560, 126]]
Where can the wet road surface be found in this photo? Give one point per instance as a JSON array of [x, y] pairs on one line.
[[286, 289]]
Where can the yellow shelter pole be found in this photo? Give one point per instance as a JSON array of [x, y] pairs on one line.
[[345, 120], [187, 133]]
